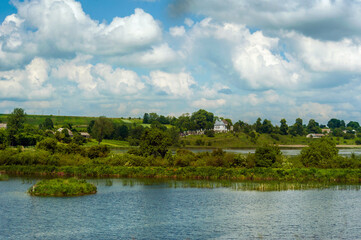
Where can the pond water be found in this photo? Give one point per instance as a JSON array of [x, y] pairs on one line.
[[124, 209]]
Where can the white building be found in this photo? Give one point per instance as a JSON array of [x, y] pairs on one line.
[[3, 125], [220, 126]]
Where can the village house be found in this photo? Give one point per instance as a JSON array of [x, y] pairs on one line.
[[315, 135], [70, 132], [326, 131], [220, 126], [84, 134], [3, 125]]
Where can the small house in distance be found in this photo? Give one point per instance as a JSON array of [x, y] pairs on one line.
[[3, 125], [220, 126], [315, 135], [326, 130], [84, 134], [70, 132]]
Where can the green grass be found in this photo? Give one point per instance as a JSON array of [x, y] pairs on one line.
[[59, 187], [78, 122], [109, 143], [241, 140]]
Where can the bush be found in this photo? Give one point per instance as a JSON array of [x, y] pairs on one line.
[[209, 133], [199, 142], [267, 155], [98, 151], [320, 153], [48, 144]]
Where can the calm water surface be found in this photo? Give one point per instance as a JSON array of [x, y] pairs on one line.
[[138, 211]]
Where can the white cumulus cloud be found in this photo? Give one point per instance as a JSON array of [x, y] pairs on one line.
[[174, 84]]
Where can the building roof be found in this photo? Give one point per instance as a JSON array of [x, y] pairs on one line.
[[3, 125], [219, 123]]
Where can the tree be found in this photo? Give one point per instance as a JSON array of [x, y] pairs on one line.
[[90, 126], [297, 128], [15, 124], [48, 124], [353, 125], [319, 153], [202, 119], [266, 126], [313, 126], [102, 127], [266, 156], [258, 125], [284, 127], [16, 119], [154, 142], [146, 118], [335, 123]]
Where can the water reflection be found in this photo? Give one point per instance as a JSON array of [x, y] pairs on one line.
[[238, 186]]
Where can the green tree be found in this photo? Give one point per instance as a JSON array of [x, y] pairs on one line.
[[48, 124], [258, 125], [90, 126], [313, 126], [336, 123], [146, 118], [266, 126], [102, 127], [266, 156], [284, 127], [154, 142], [297, 128], [319, 153], [353, 125], [15, 124], [202, 119]]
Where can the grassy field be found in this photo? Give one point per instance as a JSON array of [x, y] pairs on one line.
[[76, 121], [109, 143], [241, 140]]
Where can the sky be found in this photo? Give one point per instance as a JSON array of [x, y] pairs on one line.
[[238, 59]]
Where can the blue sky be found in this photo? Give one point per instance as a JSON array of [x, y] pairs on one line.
[[238, 59]]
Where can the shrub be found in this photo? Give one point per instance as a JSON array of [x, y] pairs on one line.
[[266, 156], [48, 144], [98, 151], [209, 133], [319, 153]]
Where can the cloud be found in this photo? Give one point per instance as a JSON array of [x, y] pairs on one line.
[[321, 19], [208, 103], [100, 78], [173, 84], [327, 56], [321, 112], [30, 83], [245, 59], [58, 29], [177, 31], [156, 57]]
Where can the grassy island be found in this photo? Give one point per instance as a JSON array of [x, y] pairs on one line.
[[59, 187]]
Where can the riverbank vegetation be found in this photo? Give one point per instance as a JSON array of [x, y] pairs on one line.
[[318, 162], [60, 187], [4, 177], [188, 130], [59, 153]]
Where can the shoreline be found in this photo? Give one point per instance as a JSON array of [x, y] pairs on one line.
[[299, 175]]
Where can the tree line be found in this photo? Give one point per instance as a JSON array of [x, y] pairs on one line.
[[18, 132]]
